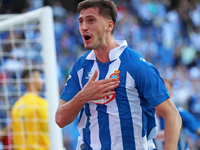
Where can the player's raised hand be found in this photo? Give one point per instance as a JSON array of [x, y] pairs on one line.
[[95, 90]]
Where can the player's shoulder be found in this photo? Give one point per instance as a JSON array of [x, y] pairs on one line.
[[30, 99], [133, 57], [40, 100], [20, 101], [134, 60], [19, 104]]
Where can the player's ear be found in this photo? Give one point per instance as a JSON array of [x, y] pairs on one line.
[[110, 26]]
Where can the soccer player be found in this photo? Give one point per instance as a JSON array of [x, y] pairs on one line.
[[30, 116], [114, 88], [188, 121]]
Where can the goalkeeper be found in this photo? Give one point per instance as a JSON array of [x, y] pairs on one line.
[[30, 115]]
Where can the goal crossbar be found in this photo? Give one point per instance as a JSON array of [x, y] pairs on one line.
[[18, 19]]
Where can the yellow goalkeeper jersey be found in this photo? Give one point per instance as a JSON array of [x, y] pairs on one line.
[[30, 123]]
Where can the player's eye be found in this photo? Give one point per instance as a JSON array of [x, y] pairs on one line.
[[80, 21], [91, 20]]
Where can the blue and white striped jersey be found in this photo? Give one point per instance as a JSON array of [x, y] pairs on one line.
[[125, 120]]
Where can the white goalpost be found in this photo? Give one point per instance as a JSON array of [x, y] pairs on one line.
[[34, 48]]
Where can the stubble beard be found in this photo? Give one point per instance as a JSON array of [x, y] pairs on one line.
[[95, 45]]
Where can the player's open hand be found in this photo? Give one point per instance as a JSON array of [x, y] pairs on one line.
[[95, 90]]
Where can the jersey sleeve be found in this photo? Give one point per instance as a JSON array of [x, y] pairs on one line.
[[150, 84], [189, 120], [72, 86]]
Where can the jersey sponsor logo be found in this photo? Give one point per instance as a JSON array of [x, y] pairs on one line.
[[109, 98], [104, 100]]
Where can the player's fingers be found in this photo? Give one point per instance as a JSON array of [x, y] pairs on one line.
[[105, 81], [94, 76], [108, 93], [110, 87], [111, 83]]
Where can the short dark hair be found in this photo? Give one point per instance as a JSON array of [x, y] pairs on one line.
[[107, 8], [26, 73]]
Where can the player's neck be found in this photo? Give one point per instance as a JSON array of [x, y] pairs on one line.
[[32, 90], [102, 53]]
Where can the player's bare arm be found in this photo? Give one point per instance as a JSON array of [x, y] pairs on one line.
[[173, 123], [93, 90]]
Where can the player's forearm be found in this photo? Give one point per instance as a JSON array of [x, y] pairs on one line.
[[68, 111], [172, 131]]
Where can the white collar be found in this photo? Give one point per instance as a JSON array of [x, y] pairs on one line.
[[114, 53]]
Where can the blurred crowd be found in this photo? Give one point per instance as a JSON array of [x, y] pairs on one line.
[[166, 33]]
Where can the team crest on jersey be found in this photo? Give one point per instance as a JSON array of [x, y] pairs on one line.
[[104, 100], [115, 75], [109, 98]]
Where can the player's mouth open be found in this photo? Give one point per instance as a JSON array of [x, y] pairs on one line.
[[87, 37]]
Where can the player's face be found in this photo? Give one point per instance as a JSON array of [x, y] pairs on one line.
[[38, 83], [92, 27]]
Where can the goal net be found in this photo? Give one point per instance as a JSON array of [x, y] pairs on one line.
[[27, 42]]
